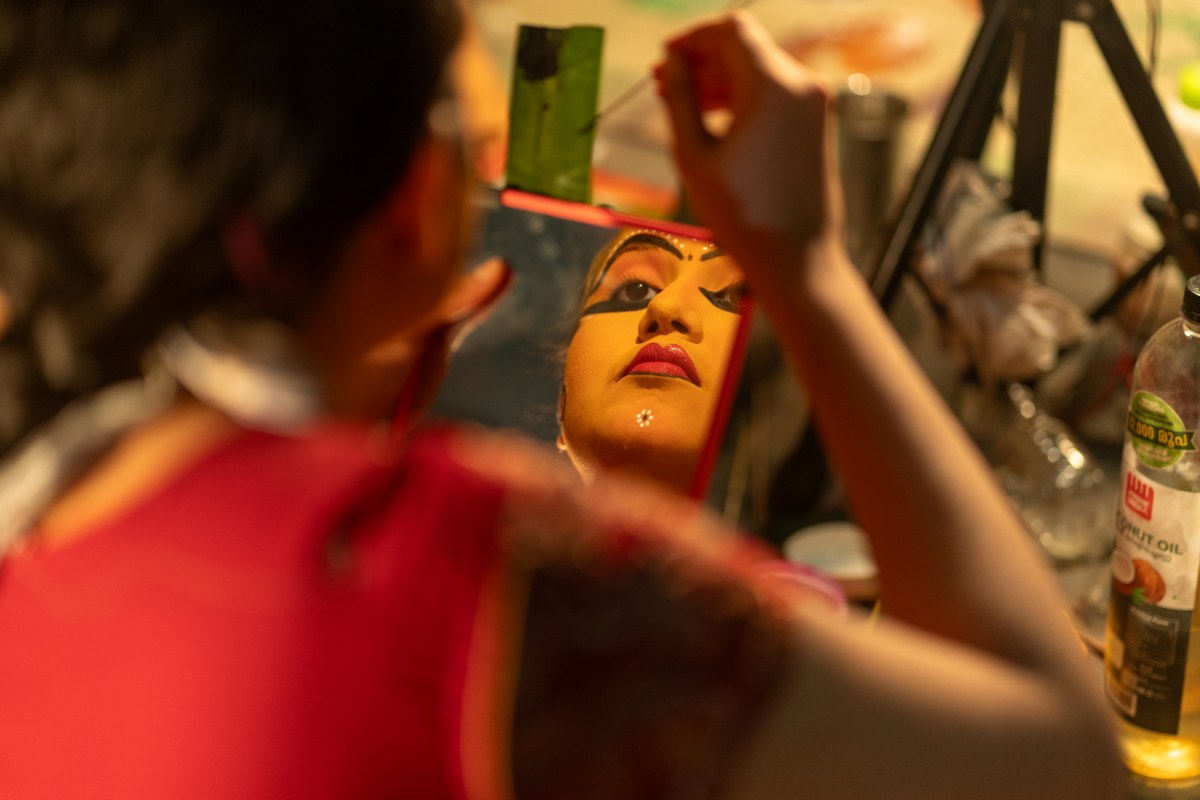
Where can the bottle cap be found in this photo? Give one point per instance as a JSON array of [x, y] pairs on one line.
[[1191, 299]]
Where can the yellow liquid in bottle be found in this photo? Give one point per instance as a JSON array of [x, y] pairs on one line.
[[1165, 756]]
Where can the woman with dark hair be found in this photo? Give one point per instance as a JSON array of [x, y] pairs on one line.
[[229, 237]]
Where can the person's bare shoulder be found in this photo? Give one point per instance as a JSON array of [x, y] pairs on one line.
[[650, 643]]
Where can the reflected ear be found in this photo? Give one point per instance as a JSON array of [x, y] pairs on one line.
[[561, 441]]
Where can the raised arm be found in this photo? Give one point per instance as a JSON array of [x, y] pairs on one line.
[[981, 690]]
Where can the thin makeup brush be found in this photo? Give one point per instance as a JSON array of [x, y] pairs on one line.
[[642, 83]]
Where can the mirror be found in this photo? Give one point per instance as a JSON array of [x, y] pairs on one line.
[[616, 343]]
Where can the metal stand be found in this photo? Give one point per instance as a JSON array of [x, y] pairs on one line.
[[1028, 30], [1031, 29]]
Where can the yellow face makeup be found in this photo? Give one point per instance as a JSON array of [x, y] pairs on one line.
[[645, 367]]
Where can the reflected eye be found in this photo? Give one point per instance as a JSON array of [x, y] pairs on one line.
[[634, 293], [727, 299]]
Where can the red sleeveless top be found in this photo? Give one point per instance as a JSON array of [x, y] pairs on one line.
[[288, 618], [293, 617]]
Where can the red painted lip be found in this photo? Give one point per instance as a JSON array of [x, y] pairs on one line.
[[670, 361]]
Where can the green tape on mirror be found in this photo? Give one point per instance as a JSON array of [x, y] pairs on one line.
[[556, 82]]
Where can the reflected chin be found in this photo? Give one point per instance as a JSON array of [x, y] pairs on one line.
[[673, 470], [661, 445]]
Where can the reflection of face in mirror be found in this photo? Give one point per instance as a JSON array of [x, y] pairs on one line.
[[645, 366]]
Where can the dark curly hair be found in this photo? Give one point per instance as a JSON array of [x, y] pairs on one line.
[[133, 131]]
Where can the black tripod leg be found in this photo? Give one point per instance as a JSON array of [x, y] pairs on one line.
[[1113, 301], [987, 50], [1174, 244], [1152, 122], [1042, 33], [979, 119]]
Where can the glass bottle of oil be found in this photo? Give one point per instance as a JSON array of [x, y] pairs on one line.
[[1152, 639]]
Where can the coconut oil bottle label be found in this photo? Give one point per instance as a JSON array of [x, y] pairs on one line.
[[1156, 432], [1154, 568]]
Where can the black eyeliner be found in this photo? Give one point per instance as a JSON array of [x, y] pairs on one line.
[[643, 237], [605, 306], [731, 306]]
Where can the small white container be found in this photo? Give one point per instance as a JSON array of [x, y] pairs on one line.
[[841, 551]]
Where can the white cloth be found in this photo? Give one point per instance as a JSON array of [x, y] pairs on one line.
[[978, 264]]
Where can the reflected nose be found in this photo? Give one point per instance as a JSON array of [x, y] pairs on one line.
[[670, 312]]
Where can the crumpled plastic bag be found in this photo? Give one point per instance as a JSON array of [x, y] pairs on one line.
[[978, 265]]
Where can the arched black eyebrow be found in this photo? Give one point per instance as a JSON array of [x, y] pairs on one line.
[[643, 237], [716, 252]]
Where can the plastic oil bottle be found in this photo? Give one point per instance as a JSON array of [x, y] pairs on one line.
[[1152, 639]]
